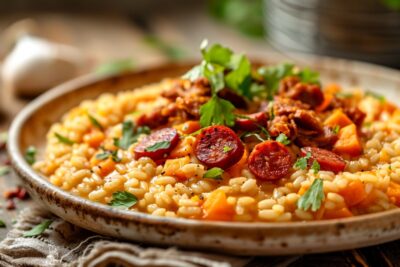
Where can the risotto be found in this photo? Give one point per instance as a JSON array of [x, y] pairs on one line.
[[229, 141]]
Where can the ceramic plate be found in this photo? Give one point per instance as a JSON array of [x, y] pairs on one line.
[[31, 125]]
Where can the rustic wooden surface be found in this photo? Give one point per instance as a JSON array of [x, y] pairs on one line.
[[105, 38]]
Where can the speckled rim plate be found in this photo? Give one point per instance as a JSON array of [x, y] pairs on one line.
[[31, 124]]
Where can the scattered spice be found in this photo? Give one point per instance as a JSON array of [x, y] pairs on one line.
[[18, 192], [10, 204]]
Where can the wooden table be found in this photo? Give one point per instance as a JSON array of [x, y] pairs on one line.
[[111, 37]]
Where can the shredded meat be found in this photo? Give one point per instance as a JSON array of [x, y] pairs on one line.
[[295, 120], [185, 99], [310, 94], [185, 89], [286, 106], [308, 120], [325, 140], [282, 124]]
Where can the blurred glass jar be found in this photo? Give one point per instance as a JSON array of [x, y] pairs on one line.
[[367, 30]]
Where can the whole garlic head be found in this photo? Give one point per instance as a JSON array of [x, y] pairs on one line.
[[35, 65]]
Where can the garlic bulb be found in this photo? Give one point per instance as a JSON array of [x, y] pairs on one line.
[[35, 65]]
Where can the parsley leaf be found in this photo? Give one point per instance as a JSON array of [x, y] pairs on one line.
[[239, 79], [273, 75], [2, 224], [282, 138], [216, 54], [217, 111], [227, 149], [301, 163], [130, 134], [38, 229], [215, 75], [315, 167], [194, 73], [64, 139], [107, 154], [123, 199], [214, 173], [4, 170], [30, 155], [308, 76], [158, 145], [95, 122], [313, 197]]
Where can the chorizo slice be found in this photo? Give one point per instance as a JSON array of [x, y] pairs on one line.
[[158, 144], [218, 146], [270, 160], [252, 122], [328, 161]]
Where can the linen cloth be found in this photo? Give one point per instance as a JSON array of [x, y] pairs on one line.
[[64, 244]]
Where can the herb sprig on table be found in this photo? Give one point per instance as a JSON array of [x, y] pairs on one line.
[[38, 229]]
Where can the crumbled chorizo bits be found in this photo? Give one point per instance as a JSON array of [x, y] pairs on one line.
[[231, 141]]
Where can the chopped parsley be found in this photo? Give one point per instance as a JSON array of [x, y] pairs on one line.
[[63, 139], [377, 96], [283, 139], [106, 154], [313, 197], [4, 170], [158, 145], [227, 149], [95, 122], [315, 167], [130, 134], [123, 199], [336, 129], [344, 95], [214, 173], [38, 229], [302, 162], [30, 155]]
